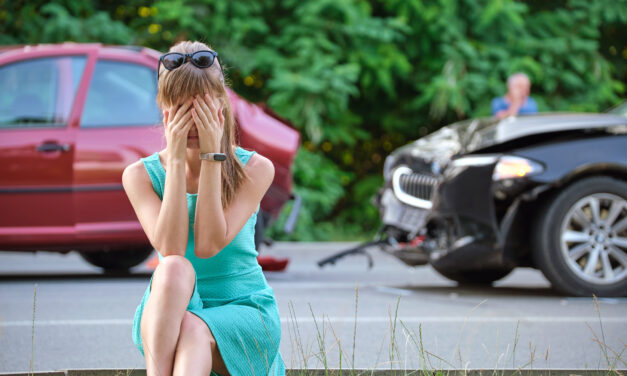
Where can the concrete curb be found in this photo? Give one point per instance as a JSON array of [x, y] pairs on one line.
[[360, 372]]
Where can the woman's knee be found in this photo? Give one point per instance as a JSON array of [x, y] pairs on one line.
[[174, 272]]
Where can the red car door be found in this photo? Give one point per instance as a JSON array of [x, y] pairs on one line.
[[120, 123], [37, 146]]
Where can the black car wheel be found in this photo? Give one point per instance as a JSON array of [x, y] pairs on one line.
[[580, 239], [116, 261], [474, 277]]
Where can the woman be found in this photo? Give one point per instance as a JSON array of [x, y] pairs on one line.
[[208, 307]]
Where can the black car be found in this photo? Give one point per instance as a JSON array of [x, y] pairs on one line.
[[486, 195]]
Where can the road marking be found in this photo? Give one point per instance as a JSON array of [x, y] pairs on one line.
[[461, 319], [348, 319], [394, 290], [285, 284], [66, 322]]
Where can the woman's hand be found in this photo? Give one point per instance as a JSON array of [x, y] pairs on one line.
[[207, 114], [176, 130]]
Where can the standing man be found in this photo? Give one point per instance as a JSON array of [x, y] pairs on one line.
[[517, 100]]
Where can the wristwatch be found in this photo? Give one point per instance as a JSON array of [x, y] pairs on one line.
[[213, 156]]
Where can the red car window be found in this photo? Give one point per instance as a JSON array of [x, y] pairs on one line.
[[39, 92], [121, 94]]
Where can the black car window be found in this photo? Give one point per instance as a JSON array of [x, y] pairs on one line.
[[39, 92], [121, 94]]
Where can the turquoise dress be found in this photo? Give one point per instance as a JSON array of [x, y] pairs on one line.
[[231, 294]]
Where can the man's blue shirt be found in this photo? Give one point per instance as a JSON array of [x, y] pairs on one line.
[[529, 107]]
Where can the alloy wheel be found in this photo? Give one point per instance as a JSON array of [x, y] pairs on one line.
[[594, 238]]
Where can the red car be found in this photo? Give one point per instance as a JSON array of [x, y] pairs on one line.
[[72, 116]]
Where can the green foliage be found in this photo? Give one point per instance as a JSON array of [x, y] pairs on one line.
[[318, 181], [476, 45], [359, 78], [41, 21], [360, 218]]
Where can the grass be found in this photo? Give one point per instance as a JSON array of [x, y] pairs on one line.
[[613, 359], [32, 348], [618, 357], [404, 339]]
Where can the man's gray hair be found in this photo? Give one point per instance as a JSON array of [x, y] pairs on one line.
[[516, 75]]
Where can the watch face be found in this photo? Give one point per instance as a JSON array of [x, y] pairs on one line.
[[219, 157]]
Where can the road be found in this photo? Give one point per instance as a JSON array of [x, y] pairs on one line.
[[83, 319]]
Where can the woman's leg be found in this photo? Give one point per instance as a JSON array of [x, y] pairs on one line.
[[197, 352], [170, 293]]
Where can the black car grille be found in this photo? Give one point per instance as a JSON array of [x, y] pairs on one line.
[[418, 185]]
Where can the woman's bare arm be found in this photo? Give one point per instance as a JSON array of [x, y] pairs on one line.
[[166, 223], [215, 228]]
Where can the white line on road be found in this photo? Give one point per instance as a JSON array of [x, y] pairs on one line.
[[348, 319]]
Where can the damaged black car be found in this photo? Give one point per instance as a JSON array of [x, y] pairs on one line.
[[480, 197]]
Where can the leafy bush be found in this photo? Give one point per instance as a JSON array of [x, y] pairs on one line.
[[318, 182]]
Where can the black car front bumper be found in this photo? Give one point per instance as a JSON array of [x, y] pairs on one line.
[[468, 227]]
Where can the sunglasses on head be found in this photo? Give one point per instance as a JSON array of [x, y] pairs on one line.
[[200, 59]]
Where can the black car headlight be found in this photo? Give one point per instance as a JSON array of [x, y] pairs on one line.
[[512, 167], [508, 172], [505, 166]]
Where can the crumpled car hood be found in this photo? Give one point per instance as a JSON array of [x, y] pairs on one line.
[[473, 135]]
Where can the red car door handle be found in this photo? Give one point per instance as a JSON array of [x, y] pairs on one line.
[[47, 147]]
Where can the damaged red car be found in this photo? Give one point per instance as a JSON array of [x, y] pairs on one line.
[[72, 116]]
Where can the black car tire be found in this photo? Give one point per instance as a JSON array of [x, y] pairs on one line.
[[117, 261], [474, 277], [547, 235]]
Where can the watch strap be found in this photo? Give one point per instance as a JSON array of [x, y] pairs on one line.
[[220, 157]]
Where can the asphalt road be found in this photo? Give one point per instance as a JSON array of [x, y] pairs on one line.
[[83, 319]]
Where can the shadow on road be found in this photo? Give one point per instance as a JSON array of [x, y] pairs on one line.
[[483, 290]]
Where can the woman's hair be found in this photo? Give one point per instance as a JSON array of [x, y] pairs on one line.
[[187, 81]]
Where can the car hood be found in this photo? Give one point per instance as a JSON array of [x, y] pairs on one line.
[[473, 135], [469, 136], [490, 131]]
